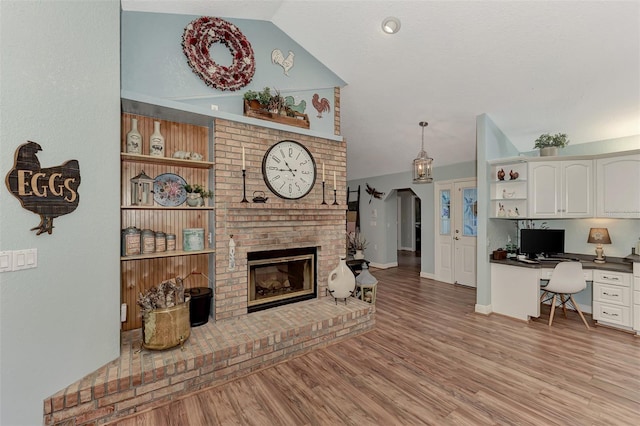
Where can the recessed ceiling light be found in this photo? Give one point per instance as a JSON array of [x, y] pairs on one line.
[[391, 25]]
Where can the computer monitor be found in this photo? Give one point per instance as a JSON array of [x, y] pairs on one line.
[[541, 242]]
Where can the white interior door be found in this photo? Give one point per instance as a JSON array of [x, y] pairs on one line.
[[465, 231], [444, 237]]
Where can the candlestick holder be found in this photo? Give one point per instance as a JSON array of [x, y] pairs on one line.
[[323, 201], [244, 186], [335, 199]]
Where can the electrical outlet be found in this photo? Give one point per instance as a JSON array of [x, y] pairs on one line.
[[214, 107]]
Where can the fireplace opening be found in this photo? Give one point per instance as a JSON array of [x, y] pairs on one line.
[[279, 277]]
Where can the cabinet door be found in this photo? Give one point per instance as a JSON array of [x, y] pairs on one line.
[[544, 189], [618, 186], [577, 188]]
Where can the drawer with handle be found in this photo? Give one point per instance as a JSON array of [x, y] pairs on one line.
[[618, 315], [618, 278], [612, 294]]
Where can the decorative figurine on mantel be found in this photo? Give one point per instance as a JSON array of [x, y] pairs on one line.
[[501, 174], [501, 211]]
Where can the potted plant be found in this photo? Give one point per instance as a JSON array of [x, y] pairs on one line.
[[357, 244], [251, 96], [548, 145], [196, 195]]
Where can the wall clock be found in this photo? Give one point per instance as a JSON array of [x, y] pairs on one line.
[[289, 169]]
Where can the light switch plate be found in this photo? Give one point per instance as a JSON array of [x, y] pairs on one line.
[[6, 260], [25, 259]]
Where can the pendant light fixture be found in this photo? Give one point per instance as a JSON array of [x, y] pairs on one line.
[[422, 166]]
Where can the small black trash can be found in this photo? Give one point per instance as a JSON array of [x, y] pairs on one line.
[[200, 305]]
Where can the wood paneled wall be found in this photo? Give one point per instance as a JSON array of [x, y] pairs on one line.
[[139, 275]]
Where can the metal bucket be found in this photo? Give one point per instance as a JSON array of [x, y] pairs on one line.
[[166, 328]]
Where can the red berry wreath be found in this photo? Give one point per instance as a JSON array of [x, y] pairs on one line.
[[198, 37]]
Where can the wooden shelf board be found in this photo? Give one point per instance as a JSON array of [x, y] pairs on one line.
[[166, 161], [173, 253], [181, 207]]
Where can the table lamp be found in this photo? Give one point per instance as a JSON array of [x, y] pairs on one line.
[[599, 236]]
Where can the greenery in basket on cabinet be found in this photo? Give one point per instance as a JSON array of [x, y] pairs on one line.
[[545, 140]]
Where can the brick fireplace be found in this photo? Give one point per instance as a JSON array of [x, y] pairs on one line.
[[277, 224], [237, 343]]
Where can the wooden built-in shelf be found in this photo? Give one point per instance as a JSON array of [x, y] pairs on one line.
[[166, 161], [172, 253], [182, 207]]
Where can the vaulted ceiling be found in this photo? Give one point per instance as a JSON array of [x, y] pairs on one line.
[[532, 66]]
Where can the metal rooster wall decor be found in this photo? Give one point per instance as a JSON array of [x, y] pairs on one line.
[[49, 192], [277, 57], [321, 105], [372, 191]]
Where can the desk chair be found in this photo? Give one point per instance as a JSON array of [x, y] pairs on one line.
[[566, 280]]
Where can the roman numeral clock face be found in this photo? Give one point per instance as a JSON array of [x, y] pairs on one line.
[[289, 170]]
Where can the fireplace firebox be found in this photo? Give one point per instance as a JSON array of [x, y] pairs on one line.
[[280, 277]]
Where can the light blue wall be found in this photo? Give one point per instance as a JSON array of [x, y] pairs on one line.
[[378, 220], [60, 88], [154, 64]]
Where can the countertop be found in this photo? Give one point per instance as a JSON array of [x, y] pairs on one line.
[[618, 264]]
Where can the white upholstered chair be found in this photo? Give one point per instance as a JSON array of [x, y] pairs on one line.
[[566, 280]]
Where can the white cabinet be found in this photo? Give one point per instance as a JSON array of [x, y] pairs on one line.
[[560, 189], [618, 186], [508, 190], [612, 299]]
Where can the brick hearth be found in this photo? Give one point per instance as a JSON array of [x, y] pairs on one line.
[[215, 353]]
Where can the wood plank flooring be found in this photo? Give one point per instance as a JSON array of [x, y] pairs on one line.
[[432, 360]]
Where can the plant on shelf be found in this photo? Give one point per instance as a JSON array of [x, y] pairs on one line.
[[268, 100], [548, 144], [357, 244], [196, 194]]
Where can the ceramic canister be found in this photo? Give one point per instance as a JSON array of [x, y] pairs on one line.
[[161, 242], [130, 241], [193, 239], [148, 241], [171, 242]]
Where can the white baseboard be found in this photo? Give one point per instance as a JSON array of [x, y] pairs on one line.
[[406, 249], [484, 309], [383, 265], [427, 275]]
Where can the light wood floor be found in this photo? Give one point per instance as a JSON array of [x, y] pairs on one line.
[[432, 360]]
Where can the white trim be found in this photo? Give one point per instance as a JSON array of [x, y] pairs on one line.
[[383, 265], [484, 309], [406, 249], [427, 275]]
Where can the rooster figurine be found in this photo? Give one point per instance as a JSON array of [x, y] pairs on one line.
[[321, 105], [291, 104], [277, 57], [372, 191], [48, 192]]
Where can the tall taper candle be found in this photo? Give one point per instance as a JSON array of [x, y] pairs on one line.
[[243, 165], [334, 180], [323, 172]]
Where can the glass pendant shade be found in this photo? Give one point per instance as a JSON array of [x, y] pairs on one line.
[[422, 165]]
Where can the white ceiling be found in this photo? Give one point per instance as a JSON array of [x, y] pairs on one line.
[[532, 66]]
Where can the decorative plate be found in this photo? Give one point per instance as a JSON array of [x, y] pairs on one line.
[[168, 190]]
